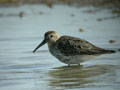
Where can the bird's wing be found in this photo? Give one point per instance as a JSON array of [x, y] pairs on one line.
[[74, 46]]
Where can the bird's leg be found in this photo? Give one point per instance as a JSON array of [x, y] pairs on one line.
[[68, 65], [79, 64]]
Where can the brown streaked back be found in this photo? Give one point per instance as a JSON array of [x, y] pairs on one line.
[[75, 46]]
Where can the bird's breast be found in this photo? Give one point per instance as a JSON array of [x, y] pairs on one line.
[[55, 52]]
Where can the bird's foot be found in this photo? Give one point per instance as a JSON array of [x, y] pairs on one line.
[[79, 64], [68, 65]]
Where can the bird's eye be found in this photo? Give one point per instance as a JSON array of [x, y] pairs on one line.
[[51, 36]]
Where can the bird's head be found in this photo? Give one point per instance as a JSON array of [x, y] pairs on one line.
[[50, 38]]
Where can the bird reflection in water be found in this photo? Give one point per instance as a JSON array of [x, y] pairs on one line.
[[77, 76]]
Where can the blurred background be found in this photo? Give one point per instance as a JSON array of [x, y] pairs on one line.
[[22, 27]]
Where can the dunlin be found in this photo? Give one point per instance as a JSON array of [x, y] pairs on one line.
[[71, 50]]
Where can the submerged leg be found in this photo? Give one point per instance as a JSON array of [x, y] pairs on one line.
[[68, 65], [79, 64]]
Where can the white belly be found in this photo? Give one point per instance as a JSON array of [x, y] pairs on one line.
[[76, 59]]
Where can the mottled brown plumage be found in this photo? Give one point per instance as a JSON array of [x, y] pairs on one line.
[[75, 46], [71, 50]]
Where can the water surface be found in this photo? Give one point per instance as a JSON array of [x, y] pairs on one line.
[[20, 69]]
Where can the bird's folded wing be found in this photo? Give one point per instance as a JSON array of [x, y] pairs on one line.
[[74, 46]]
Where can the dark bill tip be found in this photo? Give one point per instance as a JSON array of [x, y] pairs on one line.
[[41, 44]]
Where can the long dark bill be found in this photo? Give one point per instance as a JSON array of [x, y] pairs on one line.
[[41, 44]]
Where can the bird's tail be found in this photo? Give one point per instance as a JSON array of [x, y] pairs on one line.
[[108, 51]]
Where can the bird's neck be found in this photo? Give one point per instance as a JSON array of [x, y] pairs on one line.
[[51, 44], [51, 47]]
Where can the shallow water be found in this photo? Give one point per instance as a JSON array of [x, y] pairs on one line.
[[20, 69]]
